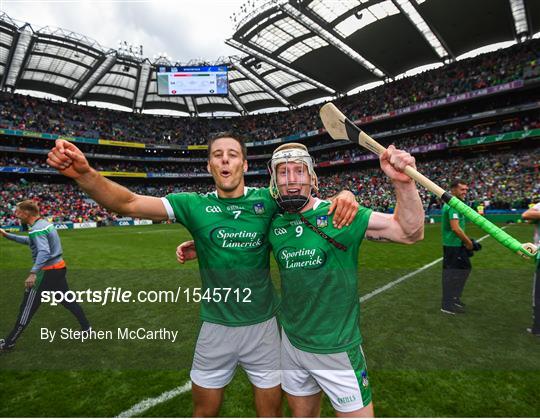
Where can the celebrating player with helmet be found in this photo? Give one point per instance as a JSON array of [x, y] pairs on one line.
[[318, 264], [230, 229]]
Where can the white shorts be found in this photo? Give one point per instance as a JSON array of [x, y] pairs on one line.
[[342, 376], [221, 348]]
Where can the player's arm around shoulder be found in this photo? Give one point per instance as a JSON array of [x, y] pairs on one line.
[[345, 208]]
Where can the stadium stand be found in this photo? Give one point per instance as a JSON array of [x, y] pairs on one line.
[[497, 180], [170, 150], [492, 69]]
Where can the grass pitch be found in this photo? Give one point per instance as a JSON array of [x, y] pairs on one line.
[[421, 362]]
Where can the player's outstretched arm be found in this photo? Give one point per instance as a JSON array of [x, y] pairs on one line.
[[15, 237], [71, 162], [406, 224]]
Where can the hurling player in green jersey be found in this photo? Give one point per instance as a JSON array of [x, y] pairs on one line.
[[230, 229], [321, 341], [318, 264]]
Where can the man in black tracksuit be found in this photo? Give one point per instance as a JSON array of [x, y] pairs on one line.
[[47, 273]]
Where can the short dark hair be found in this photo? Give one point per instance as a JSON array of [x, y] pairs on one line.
[[456, 182], [228, 134]]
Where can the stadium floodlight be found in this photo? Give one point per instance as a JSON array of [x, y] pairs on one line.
[[162, 58], [341, 128], [519, 14], [130, 50], [248, 11]]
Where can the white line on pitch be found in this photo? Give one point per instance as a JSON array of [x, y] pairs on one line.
[[404, 277], [148, 403]]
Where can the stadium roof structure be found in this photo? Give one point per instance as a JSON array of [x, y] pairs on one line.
[[293, 51]]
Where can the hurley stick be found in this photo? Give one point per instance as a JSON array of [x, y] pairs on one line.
[[341, 128]]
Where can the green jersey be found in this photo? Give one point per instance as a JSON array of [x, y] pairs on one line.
[[449, 237], [231, 236], [320, 309]]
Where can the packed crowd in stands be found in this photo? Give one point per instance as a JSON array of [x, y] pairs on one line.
[[483, 71], [500, 181], [407, 125], [58, 202], [450, 136], [21, 160], [433, 121], [41, 115]]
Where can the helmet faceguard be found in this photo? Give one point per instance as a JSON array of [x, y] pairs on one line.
[[279, 185]]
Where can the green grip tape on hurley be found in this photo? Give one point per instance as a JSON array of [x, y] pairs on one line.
[[497, 233]]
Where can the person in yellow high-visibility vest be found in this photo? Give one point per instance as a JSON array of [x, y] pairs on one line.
[[480, 209]]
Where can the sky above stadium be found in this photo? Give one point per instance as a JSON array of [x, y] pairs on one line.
[[184, 29]]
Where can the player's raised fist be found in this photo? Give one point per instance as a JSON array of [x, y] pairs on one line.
[[68, 159], [393, 163]]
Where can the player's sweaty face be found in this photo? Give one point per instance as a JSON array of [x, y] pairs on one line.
[[293, 179], [227, 165]]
